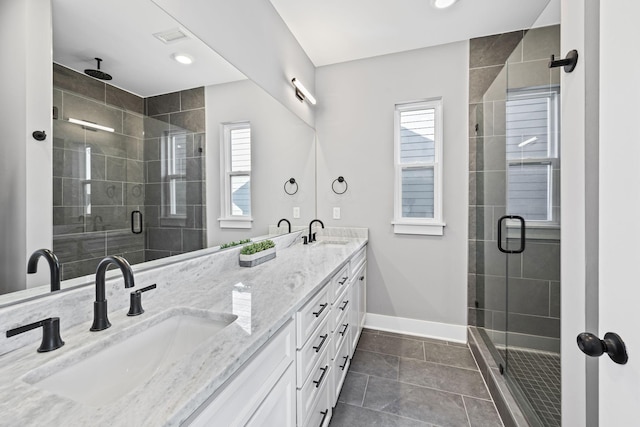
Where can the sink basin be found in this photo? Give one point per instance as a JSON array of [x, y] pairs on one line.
[[332, 241], [109, 373]]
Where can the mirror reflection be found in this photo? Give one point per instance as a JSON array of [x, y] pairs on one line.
[[137, 159]]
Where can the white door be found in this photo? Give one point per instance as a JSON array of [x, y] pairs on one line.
[[619, 258], [601, 190]]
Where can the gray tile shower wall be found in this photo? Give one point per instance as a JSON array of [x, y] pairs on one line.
[[101, 177], [98, 176], [175, 200], [498, 63]]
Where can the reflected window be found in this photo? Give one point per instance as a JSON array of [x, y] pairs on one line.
[[87, 181], [236, 185], [174, 154], [241, 300], [532, 151]]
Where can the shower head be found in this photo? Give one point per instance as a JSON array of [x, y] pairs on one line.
[[97, 73]]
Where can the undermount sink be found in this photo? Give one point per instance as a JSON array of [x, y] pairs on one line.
[[109, 373], [331, 241]]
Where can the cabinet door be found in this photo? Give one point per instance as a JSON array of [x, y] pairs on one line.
[[278, 409]]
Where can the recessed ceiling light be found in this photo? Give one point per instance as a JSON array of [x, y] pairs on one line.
[[443, 4], [182, 58]]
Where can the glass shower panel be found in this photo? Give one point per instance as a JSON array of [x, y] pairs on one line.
[[531, 348]]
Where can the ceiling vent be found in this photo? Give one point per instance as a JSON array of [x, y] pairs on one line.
[[171, 36]]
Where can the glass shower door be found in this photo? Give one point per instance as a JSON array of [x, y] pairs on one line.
[[531, 230]]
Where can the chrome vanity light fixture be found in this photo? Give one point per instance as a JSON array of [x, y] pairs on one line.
[[442, 4], [302, 92]]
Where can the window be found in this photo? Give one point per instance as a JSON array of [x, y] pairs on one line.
[[532, 156], [174, 194], [236, 182], [418, 168]]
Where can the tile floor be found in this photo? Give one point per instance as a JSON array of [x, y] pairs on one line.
[[397, 381]]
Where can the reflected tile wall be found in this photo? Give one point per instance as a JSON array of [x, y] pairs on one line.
[[98, 176], [101, 177], [512, 59], [175, 221]]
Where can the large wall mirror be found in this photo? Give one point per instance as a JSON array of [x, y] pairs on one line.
[[138, 164]]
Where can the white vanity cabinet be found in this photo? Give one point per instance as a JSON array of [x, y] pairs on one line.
[[296, 378], [262, 393]]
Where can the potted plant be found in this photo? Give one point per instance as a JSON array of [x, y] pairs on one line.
[[257, 253]]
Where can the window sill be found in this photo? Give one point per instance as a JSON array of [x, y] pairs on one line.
[[245, 222], [432, 229]]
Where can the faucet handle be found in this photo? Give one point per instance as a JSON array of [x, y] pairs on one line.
[[51, 339], [305, 240], [135, 301], [313, 237]]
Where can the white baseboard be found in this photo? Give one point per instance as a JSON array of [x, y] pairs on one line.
[[420, 328]]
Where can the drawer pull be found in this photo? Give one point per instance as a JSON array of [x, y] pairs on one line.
[[319, 346], [343, 281], [319, 380], [361, 277], [345, 362], [344, 305], [322, 307], [344, 331], [324, 415]]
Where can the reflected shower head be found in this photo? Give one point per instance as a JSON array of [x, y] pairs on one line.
[[97, 73]]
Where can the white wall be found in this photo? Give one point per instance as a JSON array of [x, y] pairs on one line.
[[283, 146], [26, 220], [416, 277], [252, 36]]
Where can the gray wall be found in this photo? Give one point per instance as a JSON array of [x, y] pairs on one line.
[[534, 276], [415, 277], [283, 146]]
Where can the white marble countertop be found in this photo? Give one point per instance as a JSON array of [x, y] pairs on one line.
[[277, 290]]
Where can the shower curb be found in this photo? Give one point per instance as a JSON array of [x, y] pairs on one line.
[[507, 406]]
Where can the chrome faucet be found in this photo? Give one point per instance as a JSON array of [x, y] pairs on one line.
[[285, 220], [100, 320], [312, 236], [54, 266]]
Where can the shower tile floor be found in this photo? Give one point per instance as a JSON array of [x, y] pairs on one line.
[[538, 374], [404, 381]]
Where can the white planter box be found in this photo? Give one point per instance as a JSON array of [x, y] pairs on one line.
[[257, 258]]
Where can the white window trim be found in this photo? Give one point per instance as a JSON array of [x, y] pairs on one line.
[[227, 220], [419, 226]]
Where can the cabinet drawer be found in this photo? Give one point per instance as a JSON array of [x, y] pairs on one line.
[[341, 306], [311, 315], [314, 386], [358, 259], [320, 413], [339, 282], [343, 331], [340, 367], [315, 348]]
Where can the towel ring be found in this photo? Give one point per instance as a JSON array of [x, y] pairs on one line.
[[341, 180], [291, 181]]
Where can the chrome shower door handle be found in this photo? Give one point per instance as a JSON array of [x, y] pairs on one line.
[[522, 234]]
